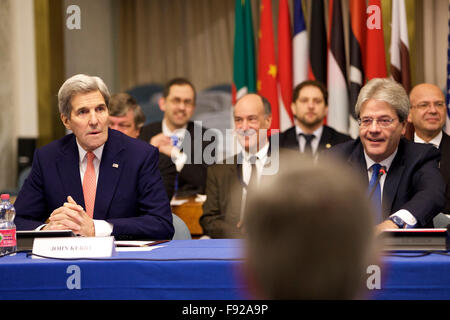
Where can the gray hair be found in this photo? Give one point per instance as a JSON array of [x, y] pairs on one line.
[[76, 84], [119, 105], [386, 90]]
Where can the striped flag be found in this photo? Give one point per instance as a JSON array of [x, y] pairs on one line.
[[267, 68], [357, 52], [447, 96], [375, 59], [337, 74], [300, 45], [400, 45], [318, 44], [399, 51], [244, 73], [285, 65]]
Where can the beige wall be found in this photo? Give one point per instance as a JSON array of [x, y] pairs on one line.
[[91, 49]]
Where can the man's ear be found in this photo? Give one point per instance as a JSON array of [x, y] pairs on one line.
[[409, 118], [162, 104], [65, 121]]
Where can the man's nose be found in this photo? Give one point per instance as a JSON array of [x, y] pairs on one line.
[[374, 127], [93, 119]]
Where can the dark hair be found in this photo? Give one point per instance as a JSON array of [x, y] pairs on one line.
[[177, 82], [313, 83]]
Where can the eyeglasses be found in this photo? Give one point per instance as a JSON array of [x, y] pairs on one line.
[[381, 122], [427, 104], [178, 101]]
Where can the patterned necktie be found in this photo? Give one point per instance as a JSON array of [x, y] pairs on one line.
[[89, 185], [308, 147], [376, 191]]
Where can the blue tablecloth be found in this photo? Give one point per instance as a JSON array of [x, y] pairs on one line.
[[191, 269]]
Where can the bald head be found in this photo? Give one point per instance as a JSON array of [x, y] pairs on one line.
[[251, 116], [428, 110]]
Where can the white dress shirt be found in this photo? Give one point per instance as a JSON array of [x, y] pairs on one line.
[[436, 141], [404, 214], [302, 140]]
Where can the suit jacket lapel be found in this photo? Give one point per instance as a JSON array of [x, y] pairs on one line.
[[393, 179], [68, 166], [358, 161], [111, 166]]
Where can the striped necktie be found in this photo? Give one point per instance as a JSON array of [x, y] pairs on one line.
[[375, 190]]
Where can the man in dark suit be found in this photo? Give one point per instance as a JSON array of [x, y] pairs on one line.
[[126, 116], [181, 139], [94, 181], [406, 185], [310, 135], [227, 184], [428, 114]]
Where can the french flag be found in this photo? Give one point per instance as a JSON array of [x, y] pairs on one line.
[[300, 45]]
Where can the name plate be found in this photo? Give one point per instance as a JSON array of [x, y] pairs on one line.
[[74, 247]]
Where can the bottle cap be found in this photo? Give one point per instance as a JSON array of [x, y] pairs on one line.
[[4, 196]]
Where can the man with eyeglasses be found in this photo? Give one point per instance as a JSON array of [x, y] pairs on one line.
[[179, 138], [404, 182], [428, 114]]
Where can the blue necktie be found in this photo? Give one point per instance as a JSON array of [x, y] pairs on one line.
[[376, 195], [174, 139]]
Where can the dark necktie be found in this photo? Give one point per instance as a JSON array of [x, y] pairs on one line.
[[308, 147], [253, 175], [375, 191]]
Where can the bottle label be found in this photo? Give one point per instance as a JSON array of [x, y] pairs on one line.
[[8, 238]]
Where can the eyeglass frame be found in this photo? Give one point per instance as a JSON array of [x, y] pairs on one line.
[[426, 104], [386, 124]]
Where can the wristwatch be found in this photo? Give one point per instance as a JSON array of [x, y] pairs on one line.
[[398, 222]]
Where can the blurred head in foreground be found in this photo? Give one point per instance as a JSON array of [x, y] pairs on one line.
[[309, 234]]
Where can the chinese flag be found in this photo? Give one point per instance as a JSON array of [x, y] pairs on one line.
[[267, 68], [375, 55]]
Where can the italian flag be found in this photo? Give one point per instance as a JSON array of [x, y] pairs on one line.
[[244, 74]]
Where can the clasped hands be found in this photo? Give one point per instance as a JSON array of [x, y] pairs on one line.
[[71, 216]]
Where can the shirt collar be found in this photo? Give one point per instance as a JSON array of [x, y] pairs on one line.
[[317, 133], [436, 141], [178, 132], [385, 163], [97, 152], [261, 154]]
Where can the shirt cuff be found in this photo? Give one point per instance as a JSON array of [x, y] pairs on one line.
[[179, 158], [406, 216], [102, 228]]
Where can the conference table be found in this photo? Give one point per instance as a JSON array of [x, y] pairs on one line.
[[192, 270]]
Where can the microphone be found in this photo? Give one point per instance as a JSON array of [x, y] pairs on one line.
[[380, 174]]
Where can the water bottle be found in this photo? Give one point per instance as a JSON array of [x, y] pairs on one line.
[[8, 243]]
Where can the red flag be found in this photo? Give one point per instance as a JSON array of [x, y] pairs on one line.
[[285, 64], [267, 68], [357, 41], [375, 60]]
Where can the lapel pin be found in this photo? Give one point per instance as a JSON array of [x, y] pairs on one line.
[[328, 146], [115, 165]]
